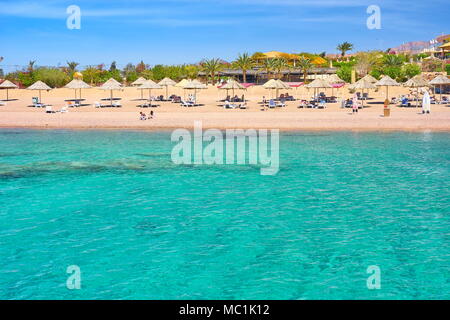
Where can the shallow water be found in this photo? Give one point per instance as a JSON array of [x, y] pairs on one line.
[[140, 227]]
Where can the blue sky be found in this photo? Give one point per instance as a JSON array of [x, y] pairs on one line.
[[186, 31]]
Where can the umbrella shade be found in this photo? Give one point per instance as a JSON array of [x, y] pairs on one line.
[[232, 85], [334, 78], [440, 81], [150, 85], [276, 84], [194, 85], [111, 85], [7, 85], [318, 84], [387, 82], [77, 84], [139, 81], [416, 82], [166, 82], [363, 84], [370, 78], [182, 83], [39, 85]]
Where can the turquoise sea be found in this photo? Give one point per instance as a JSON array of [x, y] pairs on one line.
[[140, 227]]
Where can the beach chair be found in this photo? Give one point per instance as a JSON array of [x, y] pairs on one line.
[[187, 103], [98, 104], [36, 103], [116, 104], [49, 109], [2, 103], [243, 106], [321, 105], [64, 109], [272, 104]]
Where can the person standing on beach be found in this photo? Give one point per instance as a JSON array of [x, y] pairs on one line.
[[151, 114], [426, 103], [355, 105]]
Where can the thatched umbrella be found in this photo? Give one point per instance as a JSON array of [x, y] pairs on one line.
[[139, 82], [194, 85], [111, 85], [387, 82], [318, 84], [440, 81], [370, 78], [8, 85], [334, 79], [181, 84], [166, 82], [150, 85], [232, 85], [39, 85], [276, 84], [416, 82], [363, 84], [77, 84]]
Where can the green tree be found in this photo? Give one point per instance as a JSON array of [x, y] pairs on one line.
[[345, 73], [411, 69], [72, 65], [212, 67], [305, 65], [344, 47], [244, 62]]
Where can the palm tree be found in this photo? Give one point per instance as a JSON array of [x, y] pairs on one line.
[[344, 47], [305, 65], [279, 65], [244, 62], [31, 66], [72, 65], [269, 66], [212, 67], [392, 61]]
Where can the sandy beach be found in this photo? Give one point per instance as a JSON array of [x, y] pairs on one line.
[[17, 114]]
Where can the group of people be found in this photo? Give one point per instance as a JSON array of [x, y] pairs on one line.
[[143, 116]]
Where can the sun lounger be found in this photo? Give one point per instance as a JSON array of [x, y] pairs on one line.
[[187, 103], [49, 109], [98, 104], [243, 106], [2, 103], [64, 110], [321, 105], [272, 103]]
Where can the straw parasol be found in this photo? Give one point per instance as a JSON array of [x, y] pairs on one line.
[[8, 85], [416, 82], [39, 85], [194, 85], [111, 85], [139, 82], [318, 84], [440, 81], [77, 84], [370, 78], [363, 84], [149, 84], [387, 82], [166, 82], [232, 85], [276, 84], [334, 79]]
